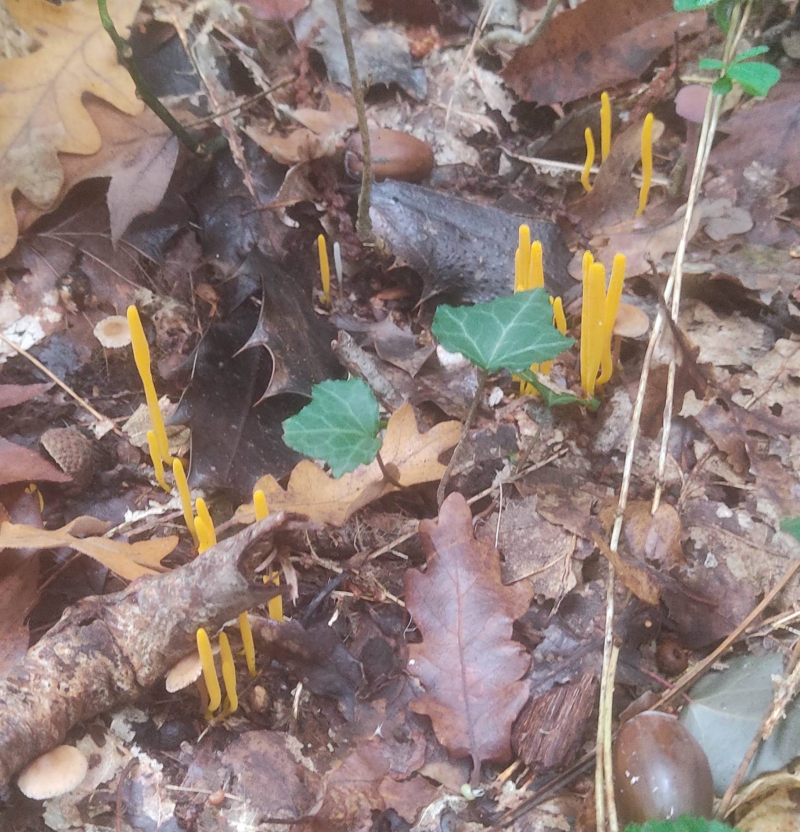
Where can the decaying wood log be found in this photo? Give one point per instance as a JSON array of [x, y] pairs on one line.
[[107, 650]]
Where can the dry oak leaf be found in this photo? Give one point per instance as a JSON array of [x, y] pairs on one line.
[[468, 664], [138, 154], [41, 111], [127, 560], [412, 458]]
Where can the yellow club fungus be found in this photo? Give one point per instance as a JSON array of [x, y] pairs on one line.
[[592, 326], [647, 161], [535, 278], [209, 672], [228, 676], [158, 463], [203, 514], [559, 317], [522, 259], [275, 605], [186, 498], [248, 643], [587, 165], [203, 535], [260, 504], [613, 297], [141, 355], [324, 268], [605, 126]]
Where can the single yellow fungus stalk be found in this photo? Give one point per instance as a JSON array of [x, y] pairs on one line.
[[559, 317], [186, 498], [605, 126], [536, 268], [524, 249], [647, 161], [248, 643], [587, 165], [592, 326], [588, 259], [260, 504], [209, 671], [141, 355], [203, 535], [202, 512], [324, 268], [613, 297], [158, 463], [275, 605], [228, 676]]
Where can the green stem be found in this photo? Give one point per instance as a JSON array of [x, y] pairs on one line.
[[473, 412], [125, 56]]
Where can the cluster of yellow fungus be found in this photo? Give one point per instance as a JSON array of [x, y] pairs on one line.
[[529, 274], [605, 149], [201, 528], [600, 307]]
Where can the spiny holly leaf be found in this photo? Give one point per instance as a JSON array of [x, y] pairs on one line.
[[509, 333], [685, 823], [339, 425]]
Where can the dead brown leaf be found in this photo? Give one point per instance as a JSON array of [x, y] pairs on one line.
[[413, 456], [468, 664], [18, 464], [596, 46], [14, 394], [128, 560]]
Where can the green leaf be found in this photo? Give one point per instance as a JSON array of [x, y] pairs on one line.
[[692, 5], [756, 77], [791, 526], [556, 398], [722, 14], [750, 53], [722, 86], [340, 425], [710, 63], [508, 333], [685, 823]]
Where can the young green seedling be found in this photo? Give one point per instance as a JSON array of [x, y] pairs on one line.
[[509, 333], [685, 823]]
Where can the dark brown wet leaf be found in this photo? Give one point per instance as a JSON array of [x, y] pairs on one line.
[[467, 663]]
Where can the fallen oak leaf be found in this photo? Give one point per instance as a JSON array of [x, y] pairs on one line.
[[413, 458], [468, 664], [41, 111], [18, 464], [127, 560]]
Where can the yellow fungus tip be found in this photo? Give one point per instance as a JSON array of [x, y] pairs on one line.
[[324, 268], [260, 504], [587, 165], [647, 162], [248, 643], [605, 126]]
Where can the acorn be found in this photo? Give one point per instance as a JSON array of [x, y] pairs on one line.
[[660, 771], [395, 155], [72, 452]]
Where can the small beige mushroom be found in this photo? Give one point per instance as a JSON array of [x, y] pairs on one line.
[[113, 332], [54, 773], [631, 322], [186, 672]]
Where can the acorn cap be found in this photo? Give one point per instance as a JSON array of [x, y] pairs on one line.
[[113, 332], [185, 672], [631, 322], [57, 772], [72, 452]]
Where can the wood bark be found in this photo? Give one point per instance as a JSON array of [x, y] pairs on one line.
[[108, 650]]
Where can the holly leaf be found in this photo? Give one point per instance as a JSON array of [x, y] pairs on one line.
[[339, 425], [469, 666], [505, 334], [685, 823], [756, 77], [41, 108]]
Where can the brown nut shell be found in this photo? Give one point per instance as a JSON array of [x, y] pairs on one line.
[[395, 155], [660, 771]]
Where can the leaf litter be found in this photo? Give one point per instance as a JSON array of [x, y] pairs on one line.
[[368, 711]]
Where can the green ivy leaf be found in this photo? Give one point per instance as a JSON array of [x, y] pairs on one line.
[[556, 398], [711, 63], [340, 425], [685, 823], [505, 334], [750, 53], [756, 77], [692, 5], [722, 86], [791, 526]]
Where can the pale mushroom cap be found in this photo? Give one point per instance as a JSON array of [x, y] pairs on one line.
[[185, 672], [54, 773], [631, 321], [113, 332]]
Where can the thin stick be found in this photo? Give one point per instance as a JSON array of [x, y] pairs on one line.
[[363, 221], [473, 412], [65, 387]]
